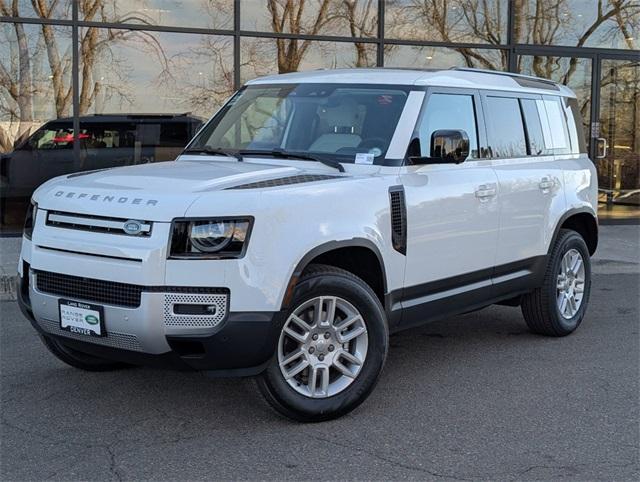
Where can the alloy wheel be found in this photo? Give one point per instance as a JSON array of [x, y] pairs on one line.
[[570, 284], [322, 346]]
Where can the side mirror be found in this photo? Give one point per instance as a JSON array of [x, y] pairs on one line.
[[447, 147]]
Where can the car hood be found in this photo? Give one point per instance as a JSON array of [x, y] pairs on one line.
[[152, 192]]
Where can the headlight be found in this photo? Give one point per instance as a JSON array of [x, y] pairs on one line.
[[30, 220], [217, 238]]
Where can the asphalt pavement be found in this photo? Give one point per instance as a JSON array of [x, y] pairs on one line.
[[473, 397]]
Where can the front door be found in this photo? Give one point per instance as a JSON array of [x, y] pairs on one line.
[[452, 216]]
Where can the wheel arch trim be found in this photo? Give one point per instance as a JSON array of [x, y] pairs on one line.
[[565, 217], [325, 248]]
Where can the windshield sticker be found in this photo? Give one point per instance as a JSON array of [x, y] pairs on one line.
[[364, 158]]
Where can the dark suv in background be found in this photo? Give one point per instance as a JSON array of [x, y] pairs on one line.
[[105, 141]]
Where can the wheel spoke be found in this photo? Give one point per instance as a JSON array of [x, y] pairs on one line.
[[573, 306], [560, 282], [576, 265], [301, 323], [291, 358], [350, 335], [349, 357], [331, 310], [317, 311], [562, 302], [295, 370], [342, 369], [319, 375], [344, 324], [295, 335]]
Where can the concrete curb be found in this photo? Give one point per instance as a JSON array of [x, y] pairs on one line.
[[8, 287]]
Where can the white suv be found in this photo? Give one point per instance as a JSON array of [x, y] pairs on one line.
[[313, 215]]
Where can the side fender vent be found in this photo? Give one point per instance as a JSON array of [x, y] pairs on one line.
[[285, 181], [398, 219]]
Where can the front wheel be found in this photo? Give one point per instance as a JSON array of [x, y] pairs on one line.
[[558, 306], [331, 349]]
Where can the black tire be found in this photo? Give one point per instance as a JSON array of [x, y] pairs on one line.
[[78, 359], [324, 280], [540, 308]]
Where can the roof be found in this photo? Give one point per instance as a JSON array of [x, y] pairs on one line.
[[465, 78]]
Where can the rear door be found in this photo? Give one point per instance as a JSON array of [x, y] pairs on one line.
[[452, 215], [522, 142]]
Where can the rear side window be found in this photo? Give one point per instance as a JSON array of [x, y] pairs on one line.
[[559, 140], [448, 111], [535, 135], [506, 131], [574, 121]]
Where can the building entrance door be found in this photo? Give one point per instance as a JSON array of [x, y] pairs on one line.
[[617, 150]]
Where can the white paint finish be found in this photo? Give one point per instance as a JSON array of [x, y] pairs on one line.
[[407, 122], [531, 188], [451, 231]]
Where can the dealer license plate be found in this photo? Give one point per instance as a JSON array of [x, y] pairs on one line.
[[81, 318]]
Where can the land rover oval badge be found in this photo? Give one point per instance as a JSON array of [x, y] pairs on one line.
[[132, 227]]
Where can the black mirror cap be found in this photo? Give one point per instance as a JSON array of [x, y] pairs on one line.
[[448, 146], [452, 146]]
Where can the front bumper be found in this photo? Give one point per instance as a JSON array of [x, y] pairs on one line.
[[241, 344]]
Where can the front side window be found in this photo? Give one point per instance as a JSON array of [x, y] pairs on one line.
[[448, 112], [506, 131], [336, 121]]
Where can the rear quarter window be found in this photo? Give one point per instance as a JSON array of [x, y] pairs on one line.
[[557, 138]]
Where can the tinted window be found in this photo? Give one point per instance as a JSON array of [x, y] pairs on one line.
[[448, 111], [574, 119], [557, 124], [342, 122], [506, 132], [533, 126]]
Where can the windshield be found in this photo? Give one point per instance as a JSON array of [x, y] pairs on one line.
[[338, 121]]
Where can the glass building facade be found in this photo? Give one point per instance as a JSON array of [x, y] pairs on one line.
[[75, 59]]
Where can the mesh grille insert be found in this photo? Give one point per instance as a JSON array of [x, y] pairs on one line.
[[285, 181], [113, 339], [99, 291]]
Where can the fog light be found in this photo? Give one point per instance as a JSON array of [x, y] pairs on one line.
[[194, 309]]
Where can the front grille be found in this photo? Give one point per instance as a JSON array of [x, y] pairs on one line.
[[90, 290], [98, 224], [285, 181], [112, 292]]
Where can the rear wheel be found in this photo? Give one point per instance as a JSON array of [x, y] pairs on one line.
[[78, 359], [331, 349], [558, 306]]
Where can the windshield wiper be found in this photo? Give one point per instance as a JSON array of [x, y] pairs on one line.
[[293, 155], [213, 151]]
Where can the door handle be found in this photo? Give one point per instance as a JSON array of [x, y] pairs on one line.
[[601, 148], [485, 192], [545, 184]]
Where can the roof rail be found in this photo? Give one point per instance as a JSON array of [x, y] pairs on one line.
[[134, 115], [507, 74]]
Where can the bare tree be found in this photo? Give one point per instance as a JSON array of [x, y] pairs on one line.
[[289, 16]]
